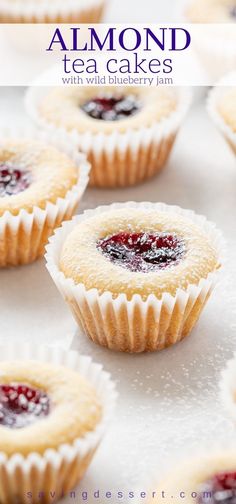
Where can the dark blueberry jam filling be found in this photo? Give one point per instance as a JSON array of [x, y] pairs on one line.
[[111, 108], [13, 180], [144, 252], [221, 489], [21, 405]]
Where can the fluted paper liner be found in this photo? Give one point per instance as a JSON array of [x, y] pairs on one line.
[[56, 470], [43, 11], [214, 97], [228, 388], [23, 237], [122, 159], [134, 325]]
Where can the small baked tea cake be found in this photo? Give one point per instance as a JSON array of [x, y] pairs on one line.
[[139, 274], [227, 108], [57, 11], [222, 108], [228, 388], [216, 44], [40, 186], [209, 479], [126, 132], [34, 402], [211, 11], [55, 407]]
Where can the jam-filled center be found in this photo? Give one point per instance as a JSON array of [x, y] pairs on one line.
[[13, 180], [143, 252], [21, 405], [111, 108], [221, 488]]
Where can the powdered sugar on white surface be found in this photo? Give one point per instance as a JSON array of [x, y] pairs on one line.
[[169, 403]]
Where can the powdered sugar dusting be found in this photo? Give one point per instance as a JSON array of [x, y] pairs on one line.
[[169, 405]]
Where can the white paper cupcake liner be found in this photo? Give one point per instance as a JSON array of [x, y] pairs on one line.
[[215, 95], [56, 470], [41, 11], [228, 388], [134, 325], [23, 237], [121, 159]]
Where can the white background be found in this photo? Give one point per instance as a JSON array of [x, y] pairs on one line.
[[143, 11], [169, 405]]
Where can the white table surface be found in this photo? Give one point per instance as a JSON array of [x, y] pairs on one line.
[[168, 401]]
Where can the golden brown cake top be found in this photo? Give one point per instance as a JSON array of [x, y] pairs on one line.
[[137, 251], [69, 108], [47, 406], [207, 473]]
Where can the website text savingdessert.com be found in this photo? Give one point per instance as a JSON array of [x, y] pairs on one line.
[[136, 497]]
